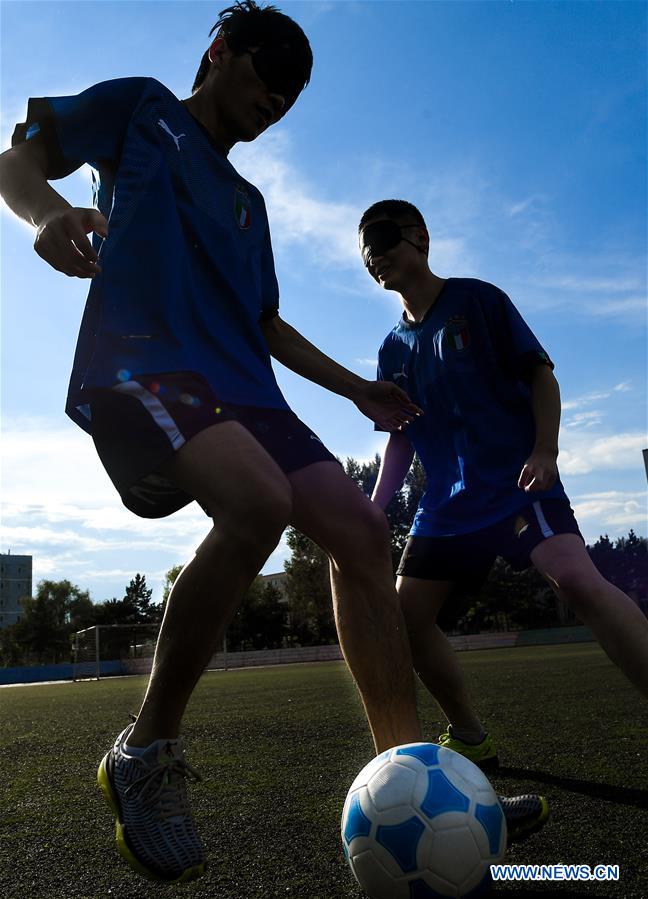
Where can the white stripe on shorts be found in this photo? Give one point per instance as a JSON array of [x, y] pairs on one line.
[[156, 410], [542, 521]]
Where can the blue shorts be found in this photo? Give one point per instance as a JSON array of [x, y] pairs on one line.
[[466, 559], [138, 425]]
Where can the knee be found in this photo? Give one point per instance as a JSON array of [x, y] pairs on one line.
[[363, 542], [253, 530], [575, 586], [264, 521], [376, 526]]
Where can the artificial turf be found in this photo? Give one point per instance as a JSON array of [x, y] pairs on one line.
[[278, 748]]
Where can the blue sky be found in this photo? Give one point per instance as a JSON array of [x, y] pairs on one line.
[[518, 128]]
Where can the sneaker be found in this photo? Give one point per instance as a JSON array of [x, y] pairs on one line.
[[155, 831], [524, 814], [483, 754]]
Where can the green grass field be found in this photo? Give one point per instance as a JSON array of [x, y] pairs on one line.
[[278, 749]]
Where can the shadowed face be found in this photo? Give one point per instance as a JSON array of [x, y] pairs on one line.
[[246, 106], [393, 251]]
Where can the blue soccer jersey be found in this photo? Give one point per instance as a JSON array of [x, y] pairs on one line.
[[468, 366], [187, 267]]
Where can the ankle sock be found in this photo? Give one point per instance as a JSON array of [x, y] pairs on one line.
[[468, 737], [134, 750]]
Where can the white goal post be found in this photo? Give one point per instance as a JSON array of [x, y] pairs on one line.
[[105, 650], [102, 649]]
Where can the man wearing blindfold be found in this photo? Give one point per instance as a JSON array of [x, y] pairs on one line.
[[488, 442], [173, 380]]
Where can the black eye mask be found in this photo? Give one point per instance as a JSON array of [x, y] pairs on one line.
[[380, 237], [280, 71]]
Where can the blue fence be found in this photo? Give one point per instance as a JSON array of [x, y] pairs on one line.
[[63, 671]]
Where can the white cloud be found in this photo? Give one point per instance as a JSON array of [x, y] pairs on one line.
[[581, 454], [456, 205], [607, 284], [530, 204], [297, 215], [584, 419], [596, 396], [325, 229], [22, 535], [372, 363], [612, 511], [584, 400], [619, 307], [59, 506]]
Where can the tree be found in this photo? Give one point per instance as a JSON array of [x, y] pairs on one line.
[[11, 649], [624, 563], [134, 608], [82, 611], [308, 585], [169, 580], [507, 600], [259, 622], [402, 507], [113, 611], [274, 616], [49, 619], [137, 600], [308, 589], [524, 600]]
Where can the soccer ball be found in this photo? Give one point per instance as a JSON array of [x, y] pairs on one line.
[[421, 821]]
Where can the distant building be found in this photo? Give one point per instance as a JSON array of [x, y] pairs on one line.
[[278, 581], [15, 583]]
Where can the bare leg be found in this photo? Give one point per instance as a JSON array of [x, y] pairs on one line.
[[332, 511], [435, 661], [249, 499], [616, 622]]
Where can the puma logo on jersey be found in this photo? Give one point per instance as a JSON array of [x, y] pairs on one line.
[[176, 137]]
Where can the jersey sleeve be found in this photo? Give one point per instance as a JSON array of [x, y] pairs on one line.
[[88, 127], [269, 285], [518, 349]]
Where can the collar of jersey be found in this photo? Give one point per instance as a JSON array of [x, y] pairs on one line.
[[414, 326]]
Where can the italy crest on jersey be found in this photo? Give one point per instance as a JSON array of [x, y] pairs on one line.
[[242, 207], [456, 333]]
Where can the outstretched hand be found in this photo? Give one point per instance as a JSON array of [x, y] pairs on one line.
[[62, 242], [540, 472], [386, 404]]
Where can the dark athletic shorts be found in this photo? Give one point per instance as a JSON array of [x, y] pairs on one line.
[[138, 425], [466, 559]]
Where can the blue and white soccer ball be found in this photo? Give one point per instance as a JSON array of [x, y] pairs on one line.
[[421, 821]]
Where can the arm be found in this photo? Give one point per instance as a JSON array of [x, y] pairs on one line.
[[60, 229], [395, 464], [540, 470], [381, 401]]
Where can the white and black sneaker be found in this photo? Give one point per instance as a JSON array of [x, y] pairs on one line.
[[155, 831], [524, 815]]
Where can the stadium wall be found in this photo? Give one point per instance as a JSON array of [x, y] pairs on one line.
[[463, 642], [258, 658]]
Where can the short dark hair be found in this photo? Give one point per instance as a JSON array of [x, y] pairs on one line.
[[392, 209], [246, 24]]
